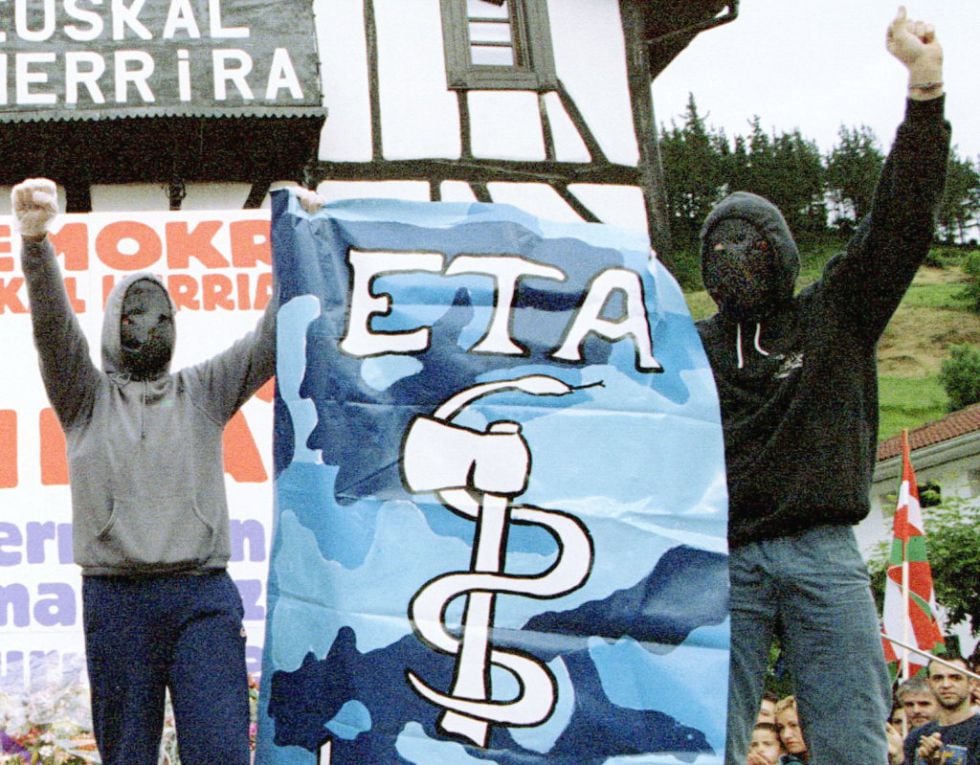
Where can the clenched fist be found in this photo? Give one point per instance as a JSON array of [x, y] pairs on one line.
[[35, 204]]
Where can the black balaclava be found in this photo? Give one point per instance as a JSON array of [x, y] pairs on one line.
[[742, 275], [146, 330], [749, 261]]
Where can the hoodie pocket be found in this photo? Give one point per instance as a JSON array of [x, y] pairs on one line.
[[155, 532]]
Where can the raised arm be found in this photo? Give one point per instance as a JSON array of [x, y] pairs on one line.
[[228, 379], [69, 375], [892, 241]]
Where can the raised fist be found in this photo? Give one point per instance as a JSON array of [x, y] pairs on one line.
[[309, 200], [914, 43], [35, 204]]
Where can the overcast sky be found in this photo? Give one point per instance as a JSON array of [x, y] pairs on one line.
[[820, 64]]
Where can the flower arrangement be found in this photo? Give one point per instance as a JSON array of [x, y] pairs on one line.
[[49, 727], [253, 712], [53, 727]]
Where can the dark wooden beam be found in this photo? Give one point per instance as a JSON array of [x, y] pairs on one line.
[[645, 128]]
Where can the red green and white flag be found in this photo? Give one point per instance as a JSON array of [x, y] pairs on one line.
[[910, 602]]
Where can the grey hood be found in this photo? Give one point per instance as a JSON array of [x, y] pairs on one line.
[[112, 359]]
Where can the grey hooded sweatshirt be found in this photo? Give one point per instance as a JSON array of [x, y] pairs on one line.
[[798, 385], [144, 456]]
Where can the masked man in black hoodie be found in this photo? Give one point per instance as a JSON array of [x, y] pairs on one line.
[[797, 384]]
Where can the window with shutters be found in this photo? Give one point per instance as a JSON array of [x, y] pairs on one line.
[[498, 45]]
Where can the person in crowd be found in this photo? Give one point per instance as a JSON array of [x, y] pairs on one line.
[[895, 731], [915, 699], [918, 701], [796, 379], [898, 719], [974, 664], [765, 747], [790, 731], [767, 708], [953, 738], [150, 517]]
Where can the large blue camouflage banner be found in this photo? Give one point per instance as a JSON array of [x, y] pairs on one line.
[[500, 500]]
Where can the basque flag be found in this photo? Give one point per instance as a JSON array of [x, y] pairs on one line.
[[910, 602]]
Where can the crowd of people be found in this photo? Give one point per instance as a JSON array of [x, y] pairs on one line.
[[935, 720]]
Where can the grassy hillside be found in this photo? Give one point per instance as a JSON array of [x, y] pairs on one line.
[[932, 317]]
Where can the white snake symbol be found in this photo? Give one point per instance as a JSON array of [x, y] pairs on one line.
[[477, 474]]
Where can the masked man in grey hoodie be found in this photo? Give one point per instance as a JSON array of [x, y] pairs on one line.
[[796, 379], [150, 517]]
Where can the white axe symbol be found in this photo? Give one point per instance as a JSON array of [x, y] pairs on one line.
[[456, 463]]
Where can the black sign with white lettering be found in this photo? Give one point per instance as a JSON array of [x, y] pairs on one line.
[[91, 59]]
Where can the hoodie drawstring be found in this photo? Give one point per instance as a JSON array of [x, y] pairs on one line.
[[738, 345], [758, 335], [755, 343]]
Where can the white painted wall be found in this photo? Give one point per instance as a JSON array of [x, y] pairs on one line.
[[569, 146], [346, 134], [420, 118], [506, 125], [591, 59]]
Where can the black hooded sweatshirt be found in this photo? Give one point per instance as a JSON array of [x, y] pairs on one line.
[[798, 389]]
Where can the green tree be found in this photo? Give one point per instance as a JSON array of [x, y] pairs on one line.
[[853, 167], [971, 267], [961, 199], [738, 168], [953, 540], [692, 173], [761, 158], [797, 182], [960, 376], [786, 169]]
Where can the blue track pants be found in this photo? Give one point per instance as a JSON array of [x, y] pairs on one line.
[[182, 632]]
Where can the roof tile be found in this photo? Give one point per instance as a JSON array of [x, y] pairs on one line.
[[959, 423]]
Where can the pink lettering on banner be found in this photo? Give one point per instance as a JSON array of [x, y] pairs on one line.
[[52, 605], [24, 672], [250, 243], [129, 245], [6, 262], [243, 460], [8, 448], [185, 243], [10, 300], [41, 542], [56, 604], [46, 543], [54, 460], [218, 268], [112, 246], [71, 242]]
